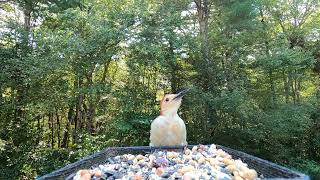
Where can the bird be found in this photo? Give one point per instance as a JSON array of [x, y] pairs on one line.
[[168, 129]]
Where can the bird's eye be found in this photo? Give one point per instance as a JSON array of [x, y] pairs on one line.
[[167, 99]]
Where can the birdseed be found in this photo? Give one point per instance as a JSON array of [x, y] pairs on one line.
[[201, 162]]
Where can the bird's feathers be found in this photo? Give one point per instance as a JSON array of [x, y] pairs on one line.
[[168, 131]]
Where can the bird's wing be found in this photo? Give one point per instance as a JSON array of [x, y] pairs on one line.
[[184, 131]]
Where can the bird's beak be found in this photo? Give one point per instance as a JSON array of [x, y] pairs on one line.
[[181, 94]]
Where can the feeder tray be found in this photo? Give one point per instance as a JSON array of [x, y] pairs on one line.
[[270, 171]]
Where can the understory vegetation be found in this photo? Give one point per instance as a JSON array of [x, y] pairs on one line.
[[80, 76]]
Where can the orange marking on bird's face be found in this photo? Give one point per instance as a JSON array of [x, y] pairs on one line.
[[168, 103]]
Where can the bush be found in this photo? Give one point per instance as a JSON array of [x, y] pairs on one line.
[[310, 167]]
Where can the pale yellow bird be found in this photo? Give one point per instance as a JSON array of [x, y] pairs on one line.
[[169, 129]]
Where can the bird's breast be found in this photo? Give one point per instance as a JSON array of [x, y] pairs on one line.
[[168, 131], [173, 126]]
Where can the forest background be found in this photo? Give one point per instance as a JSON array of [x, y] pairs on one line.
[[79, 76]]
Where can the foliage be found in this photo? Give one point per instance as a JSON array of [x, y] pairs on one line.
[[79, 76]]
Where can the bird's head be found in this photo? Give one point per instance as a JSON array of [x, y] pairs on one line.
[[170, 103]]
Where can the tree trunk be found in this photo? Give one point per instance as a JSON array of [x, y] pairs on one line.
[[271, 81], [38, 124], [27, 16], [291, 85], [92, 108], [65, 140], [23, 49], [286, 86], [173, 68], [267, 52], [207, 67], [272, 88], [27, 27], [58, 129], [227, 78], [298, 90], [70, 119], [78, 116], [43, 123], [203, 17], [91, 114], [297, 86], [39, 130], [51, 127]]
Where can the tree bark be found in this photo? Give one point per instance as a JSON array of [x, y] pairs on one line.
[[298, 90], [207, 68], [78, 115], [267, 52], [43, 123], [92, 108], [203, 17], [21, 52], [291, 85], [51, 127], [272, 88], [286, 86], [65, 141], [58, 129], [38, 123], [27, 9], [173, 68]]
